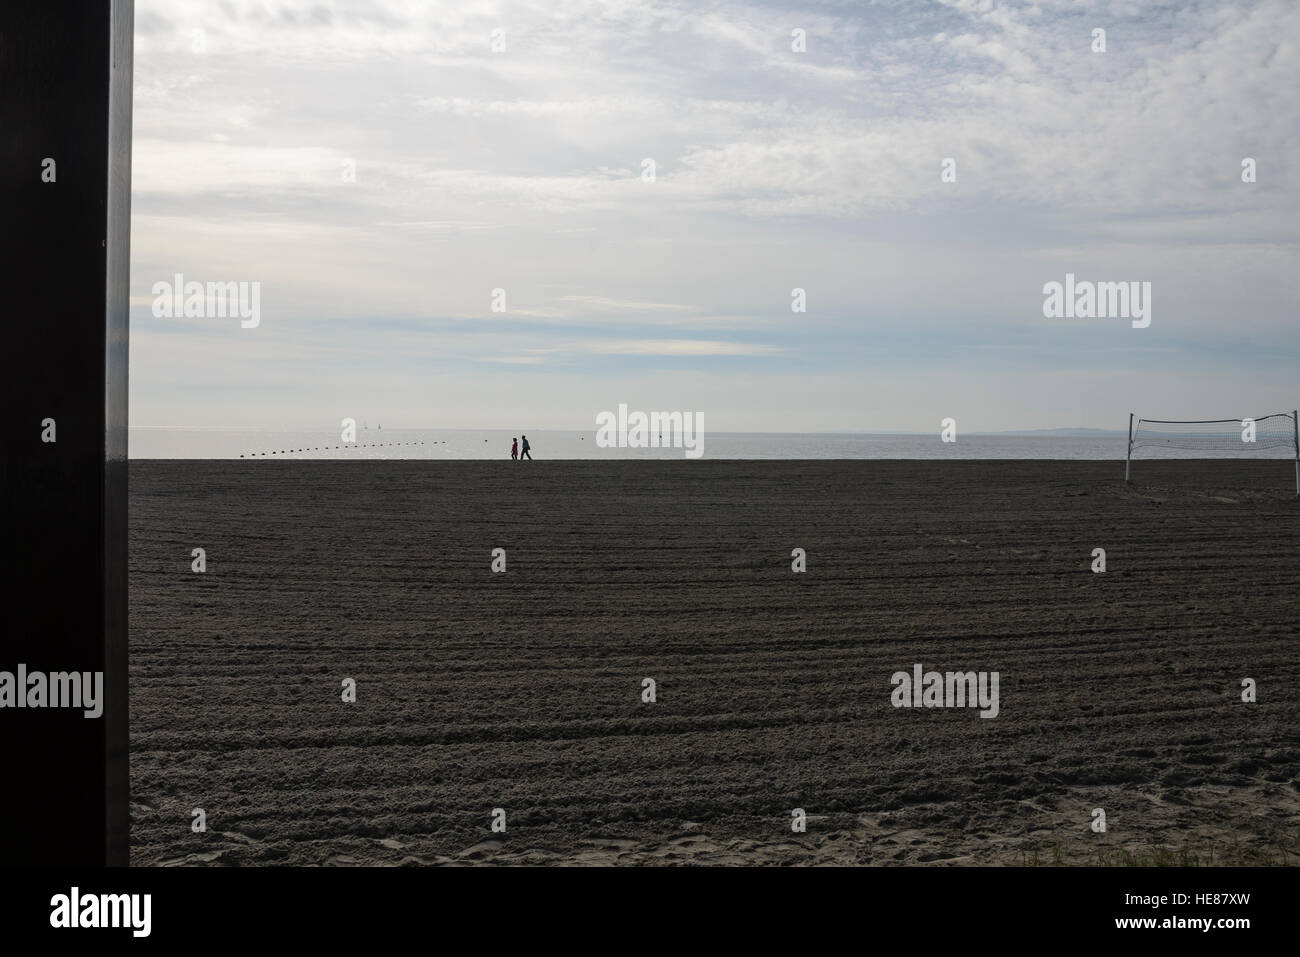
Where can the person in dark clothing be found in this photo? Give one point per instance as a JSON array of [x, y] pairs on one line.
[[524, 454]]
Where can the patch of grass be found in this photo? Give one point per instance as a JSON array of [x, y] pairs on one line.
[[1157, 855]]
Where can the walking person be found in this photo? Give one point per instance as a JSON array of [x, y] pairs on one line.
[[514, 448], [525, 454]]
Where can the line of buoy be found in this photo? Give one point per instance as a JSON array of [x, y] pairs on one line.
[[326, 448]]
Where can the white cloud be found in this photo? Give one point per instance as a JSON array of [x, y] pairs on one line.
[[522, 170]]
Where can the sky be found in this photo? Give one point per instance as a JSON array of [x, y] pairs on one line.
[[381, 169]]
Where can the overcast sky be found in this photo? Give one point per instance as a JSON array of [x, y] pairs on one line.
[[522, 170]]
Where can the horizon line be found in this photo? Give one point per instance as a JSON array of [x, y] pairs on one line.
[[400, 428]]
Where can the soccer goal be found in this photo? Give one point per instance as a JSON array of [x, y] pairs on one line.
[[1281, 430]]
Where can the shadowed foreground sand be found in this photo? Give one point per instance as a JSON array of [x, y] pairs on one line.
[[522, 690]]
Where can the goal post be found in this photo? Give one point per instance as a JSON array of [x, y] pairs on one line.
[[1214, 437], [1128, 458]]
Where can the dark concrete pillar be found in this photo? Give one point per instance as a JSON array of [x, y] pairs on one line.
[[65, 173]]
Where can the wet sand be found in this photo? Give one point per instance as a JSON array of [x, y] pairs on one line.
[[523, 690]]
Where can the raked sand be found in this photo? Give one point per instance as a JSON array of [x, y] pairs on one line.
[[523, 690]]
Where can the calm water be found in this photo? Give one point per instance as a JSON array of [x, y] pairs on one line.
[[489, 444]]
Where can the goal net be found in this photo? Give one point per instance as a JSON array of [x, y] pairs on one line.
[[1230, 436], [1269, 436]]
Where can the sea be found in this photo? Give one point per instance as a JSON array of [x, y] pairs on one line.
[[451, 444]]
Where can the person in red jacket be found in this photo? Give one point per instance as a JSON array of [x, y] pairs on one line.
[[514, 449]]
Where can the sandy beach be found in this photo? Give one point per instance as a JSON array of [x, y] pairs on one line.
[[523, 690]]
